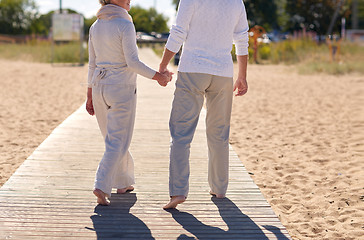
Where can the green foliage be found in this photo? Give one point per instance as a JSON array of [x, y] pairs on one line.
[[88, 22], [291, 51], [361, 13], [263, 13], [176, 3], [148, 20], [264, 52], [16, 16], [43, 23], [315, 15]]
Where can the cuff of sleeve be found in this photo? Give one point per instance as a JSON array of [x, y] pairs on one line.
[[172, 45], [151, 74], [241, 51]]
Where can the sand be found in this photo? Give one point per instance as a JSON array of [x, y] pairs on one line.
[[302, 138], [34, 99]]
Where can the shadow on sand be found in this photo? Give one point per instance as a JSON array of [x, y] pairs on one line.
[[240, 226]]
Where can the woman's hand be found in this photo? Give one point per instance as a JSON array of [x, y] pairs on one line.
[[242, 86], [89, 104]]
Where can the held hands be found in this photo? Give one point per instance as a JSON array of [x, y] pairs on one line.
[[163, 77], [242, 86]]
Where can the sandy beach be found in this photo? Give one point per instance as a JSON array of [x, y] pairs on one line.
[[34, 99], [301, 138]]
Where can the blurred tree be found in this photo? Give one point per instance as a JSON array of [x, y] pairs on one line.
[[16, 16], [88, 23], [282, 15], [290, 15], [148, 20], [361, 14], [260, 12], [263, 13], [315, 15], [175, 2], [43, 23]]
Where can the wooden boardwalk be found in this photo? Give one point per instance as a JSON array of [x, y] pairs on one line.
[[50, 195]]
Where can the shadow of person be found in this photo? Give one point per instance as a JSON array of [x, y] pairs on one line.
[[240, 226], [276, 231], [116, 221]]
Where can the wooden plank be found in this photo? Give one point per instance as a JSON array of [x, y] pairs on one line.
[[50, 195]]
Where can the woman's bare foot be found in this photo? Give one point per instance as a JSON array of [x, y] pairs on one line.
[[101, 197], [124, 190], [175, 200], [217, 195]]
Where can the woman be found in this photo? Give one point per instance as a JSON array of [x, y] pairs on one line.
[[111, 96]]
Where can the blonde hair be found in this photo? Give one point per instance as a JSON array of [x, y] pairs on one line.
[[104, 2]]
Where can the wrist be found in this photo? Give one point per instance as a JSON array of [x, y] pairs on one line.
[[156, 76], [162, 66]]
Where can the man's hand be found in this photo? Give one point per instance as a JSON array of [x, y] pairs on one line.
[[242, 86]]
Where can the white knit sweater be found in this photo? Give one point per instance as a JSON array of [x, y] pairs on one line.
[[112, 47], [208, 29]]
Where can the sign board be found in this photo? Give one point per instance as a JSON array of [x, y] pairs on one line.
[[67, 27]]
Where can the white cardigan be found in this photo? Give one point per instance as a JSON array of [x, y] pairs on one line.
[[208, 29], [112, 47]]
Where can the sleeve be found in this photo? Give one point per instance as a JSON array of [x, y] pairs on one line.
[[131, 53], [91, 61], [179, 31], [241, 36]]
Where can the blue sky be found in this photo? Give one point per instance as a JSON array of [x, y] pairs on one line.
[[89, 7]]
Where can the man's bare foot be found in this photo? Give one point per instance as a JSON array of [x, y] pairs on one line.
[[175, 200], [124, 190], [101, 197], [217, 195]]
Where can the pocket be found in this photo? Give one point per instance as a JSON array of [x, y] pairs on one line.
[[118, 93]]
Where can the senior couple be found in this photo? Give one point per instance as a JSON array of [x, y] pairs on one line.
[[206, 29]]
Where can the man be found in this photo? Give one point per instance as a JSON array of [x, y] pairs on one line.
[[207, 30]]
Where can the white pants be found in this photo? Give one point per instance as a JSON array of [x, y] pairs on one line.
[[115, 107], [188, 100]]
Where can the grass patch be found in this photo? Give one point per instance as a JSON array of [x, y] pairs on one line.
[[334, 68], [42, 52], [309, 56], [312, 58]]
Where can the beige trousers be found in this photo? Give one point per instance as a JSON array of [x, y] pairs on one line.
[[115, 106], [188, 101]]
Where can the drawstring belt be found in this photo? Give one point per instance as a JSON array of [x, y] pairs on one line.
[[102, 73]]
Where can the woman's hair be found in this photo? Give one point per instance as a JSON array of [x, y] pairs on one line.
[[104, 2]]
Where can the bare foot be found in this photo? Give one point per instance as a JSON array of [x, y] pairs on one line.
[[101, 197], [217, 195], [175, 200], [124, 190]]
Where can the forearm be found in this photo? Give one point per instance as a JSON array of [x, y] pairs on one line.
[[89, 93], [242, 66], [167, 56], [131, 53]]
